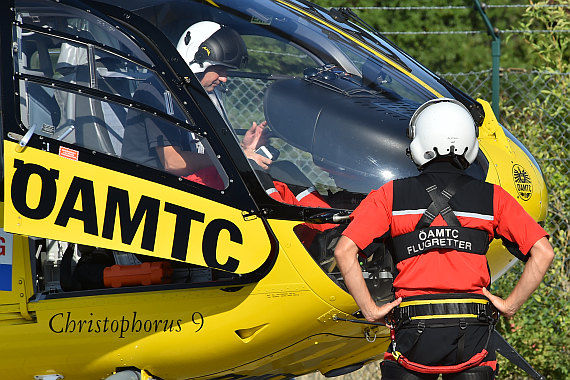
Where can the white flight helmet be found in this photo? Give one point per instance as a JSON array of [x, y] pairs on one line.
[[208, 43], [443, 127]]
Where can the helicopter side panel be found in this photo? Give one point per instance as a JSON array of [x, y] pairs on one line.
[[16, 284], [59, 198], [173, 334]]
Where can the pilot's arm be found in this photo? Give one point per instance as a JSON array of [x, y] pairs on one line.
[[181, 162], [346, 254]]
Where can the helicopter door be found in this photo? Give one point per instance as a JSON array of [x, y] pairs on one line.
[[86, 161]]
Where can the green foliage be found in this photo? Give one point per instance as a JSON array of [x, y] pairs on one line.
[[447, 52], [540, 331]]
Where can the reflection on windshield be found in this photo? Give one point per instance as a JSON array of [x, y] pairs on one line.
[[336, 114], [70, 21], [336, 109]]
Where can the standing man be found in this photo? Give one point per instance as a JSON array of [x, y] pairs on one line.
[[438, 227]]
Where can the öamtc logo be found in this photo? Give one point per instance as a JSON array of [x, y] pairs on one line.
[[523, 184]]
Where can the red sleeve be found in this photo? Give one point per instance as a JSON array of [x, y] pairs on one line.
[[372, 218], [513, 223]]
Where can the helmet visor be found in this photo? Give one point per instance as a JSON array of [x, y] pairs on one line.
[[225, 48]]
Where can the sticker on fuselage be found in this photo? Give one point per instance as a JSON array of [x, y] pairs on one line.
[[5, 260], [52, 197], [522, 181]]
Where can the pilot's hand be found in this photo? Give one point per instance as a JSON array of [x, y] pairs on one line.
[[262, 161], [378, 313], [253, 137], [502, 305]]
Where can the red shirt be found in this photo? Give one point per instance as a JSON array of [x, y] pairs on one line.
[[442, 271]]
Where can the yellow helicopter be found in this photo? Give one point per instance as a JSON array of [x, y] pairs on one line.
[[114, 267]]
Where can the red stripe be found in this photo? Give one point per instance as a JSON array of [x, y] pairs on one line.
[[412, 366]]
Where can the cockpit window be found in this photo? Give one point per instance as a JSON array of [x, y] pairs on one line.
[[102, 99], [74, 23], [336, 99], [336, 111], [50, 57]]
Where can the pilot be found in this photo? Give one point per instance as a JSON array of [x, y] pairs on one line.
[[210, 49], [439, 225], [157, 143]]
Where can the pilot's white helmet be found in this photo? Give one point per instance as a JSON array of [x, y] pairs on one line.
[[443, 127], [208, 43]]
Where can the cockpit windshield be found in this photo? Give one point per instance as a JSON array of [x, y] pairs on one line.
[[337, 99], [334, 98]]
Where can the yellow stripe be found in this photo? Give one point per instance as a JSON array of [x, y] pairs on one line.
[[397, 66], [445, 316], [428, 302], [214, 4]]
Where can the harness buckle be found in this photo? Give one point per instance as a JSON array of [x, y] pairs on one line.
[[421, 326], [401, 316], [396, 354], [482, 312]]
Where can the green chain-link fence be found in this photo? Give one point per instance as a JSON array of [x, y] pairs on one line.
[[541, 121]]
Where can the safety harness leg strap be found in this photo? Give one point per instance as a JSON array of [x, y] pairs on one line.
[[412, 366]]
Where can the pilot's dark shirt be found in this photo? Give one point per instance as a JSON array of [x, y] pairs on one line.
[[145, 132]]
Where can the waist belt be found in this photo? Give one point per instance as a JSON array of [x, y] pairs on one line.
[[440, 307], [480, 309]]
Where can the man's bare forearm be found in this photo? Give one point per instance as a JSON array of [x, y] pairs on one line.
[[346, 254], [541, 256]]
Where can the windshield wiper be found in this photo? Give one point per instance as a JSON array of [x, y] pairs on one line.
[[325, 76], [314, 8]]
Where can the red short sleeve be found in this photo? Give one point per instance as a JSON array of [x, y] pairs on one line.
[[372, 218], [513, 223]]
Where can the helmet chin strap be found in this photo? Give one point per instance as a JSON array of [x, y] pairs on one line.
[[196, 61], [458, 161]]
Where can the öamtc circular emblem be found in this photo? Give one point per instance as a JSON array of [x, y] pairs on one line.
[[522, 182]]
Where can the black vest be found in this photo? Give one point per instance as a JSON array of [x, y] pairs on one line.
[[470, 198]]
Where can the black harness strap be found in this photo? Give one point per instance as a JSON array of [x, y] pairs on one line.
[[461, 239], [440, 201], [424, 309]]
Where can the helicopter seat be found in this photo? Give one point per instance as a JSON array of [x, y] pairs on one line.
[[84, 121], [39, 107], [91, 128], [112, 78]]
